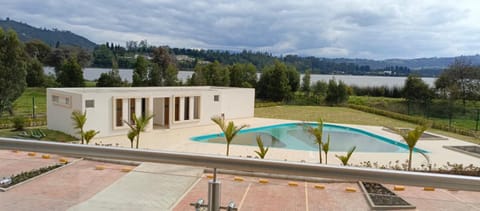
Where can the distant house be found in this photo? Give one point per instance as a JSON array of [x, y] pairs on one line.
[[173, 107]]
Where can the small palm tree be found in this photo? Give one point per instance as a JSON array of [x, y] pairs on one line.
[[262, 149], [138, 125], [89, 135], [79, 121], [229, 130], [317, 132], [411, 137], [131, 136], [326, 147], [344, 158]]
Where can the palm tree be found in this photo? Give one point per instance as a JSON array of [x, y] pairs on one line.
[[262, 149], [79, 121], [411, 137], [230, 130], [344, 158], [317, 132], [326, 147], [131, 136], [89, 135], [138, 125]]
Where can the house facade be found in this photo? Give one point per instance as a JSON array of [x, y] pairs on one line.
[[172, 107]]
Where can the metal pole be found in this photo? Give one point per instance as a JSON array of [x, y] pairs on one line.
[[214, 193], [33, 108], [478, 119]]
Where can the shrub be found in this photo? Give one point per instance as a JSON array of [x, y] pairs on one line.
[[18, 123]]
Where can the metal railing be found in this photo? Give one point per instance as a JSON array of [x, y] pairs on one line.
[[456, 182]]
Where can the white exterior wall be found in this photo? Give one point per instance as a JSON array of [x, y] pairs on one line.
[[233, 102], [58, 114], [237, 103]]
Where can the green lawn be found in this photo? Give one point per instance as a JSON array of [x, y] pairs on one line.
[[51, 135], [23, 105], [341, 115]]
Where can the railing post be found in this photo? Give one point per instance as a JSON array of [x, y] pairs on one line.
[[214, 193]]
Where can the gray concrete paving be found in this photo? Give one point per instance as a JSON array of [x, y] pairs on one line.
[[148, 187]]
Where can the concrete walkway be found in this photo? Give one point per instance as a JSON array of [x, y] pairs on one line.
[[148, 187]]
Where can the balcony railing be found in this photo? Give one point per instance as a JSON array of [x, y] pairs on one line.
[[456, 182]]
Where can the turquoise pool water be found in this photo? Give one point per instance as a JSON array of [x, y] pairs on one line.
[[295, 136]]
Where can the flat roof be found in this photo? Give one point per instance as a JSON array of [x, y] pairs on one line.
[[84, 90]]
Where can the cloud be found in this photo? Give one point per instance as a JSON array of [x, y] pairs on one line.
[[355, 29]]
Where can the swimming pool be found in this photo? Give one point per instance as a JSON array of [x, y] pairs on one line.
[[295, 136]]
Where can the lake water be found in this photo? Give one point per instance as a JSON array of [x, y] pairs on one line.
[[362, 81]]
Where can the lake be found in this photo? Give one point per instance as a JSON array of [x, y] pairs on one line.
[[362, 81]]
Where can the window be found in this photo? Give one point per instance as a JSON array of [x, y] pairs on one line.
[[177, 108], [144, 107], [119, 112], [132, 110], [216, 98], [89, 103], [196, 107], [186, 109], [61, 100]]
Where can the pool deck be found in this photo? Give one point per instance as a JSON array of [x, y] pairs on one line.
[[179, 140]]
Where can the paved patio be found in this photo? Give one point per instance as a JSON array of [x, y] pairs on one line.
[[57, 190], [278, 195]]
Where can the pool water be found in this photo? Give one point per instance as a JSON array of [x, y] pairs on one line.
[[295, 136]]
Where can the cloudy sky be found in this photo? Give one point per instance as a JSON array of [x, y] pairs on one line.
[[354, 29]]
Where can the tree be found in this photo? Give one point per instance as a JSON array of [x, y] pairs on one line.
[[336, 93], [459, 80], [198, 77], [79, 119], [89, 135], [155, 76], [262, 150], [35, 74], [70, 74], [293, 78], [345, 158], [243, 75], [140, 72], [229, 130], [102, 56], [37, 49], [138, 125], [12, 70], [411, 137], [170, 78], [317, 132], [306, 82], [416, 90], [326, 148], [111, 78], [273, 83], [131, 136]]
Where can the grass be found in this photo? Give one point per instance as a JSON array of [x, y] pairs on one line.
[[51, 135], [341, 115], [23, 105], [437, 109]]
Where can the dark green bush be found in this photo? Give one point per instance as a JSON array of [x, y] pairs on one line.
[[18, 123]]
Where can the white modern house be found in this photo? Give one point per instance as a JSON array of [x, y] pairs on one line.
[[173, 107]]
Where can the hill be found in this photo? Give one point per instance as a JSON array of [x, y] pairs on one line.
[[51, 37]]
